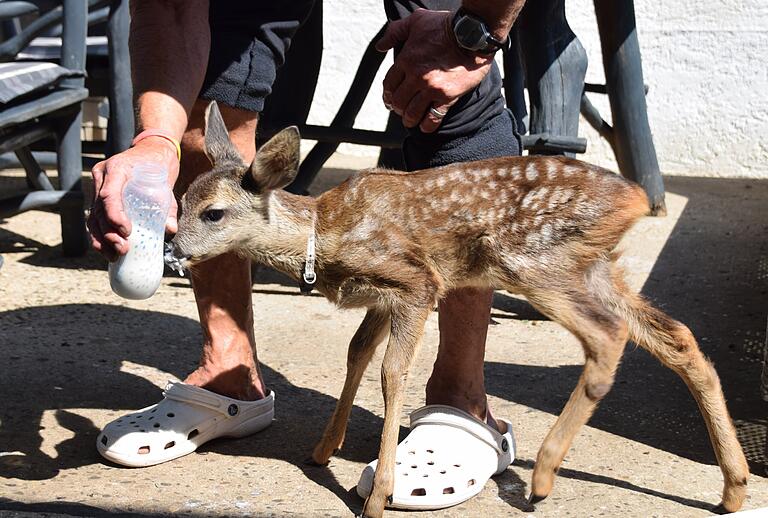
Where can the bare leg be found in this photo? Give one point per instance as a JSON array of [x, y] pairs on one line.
[[222, 285], [457, 377]]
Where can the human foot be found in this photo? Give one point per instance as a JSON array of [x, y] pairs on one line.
[[241, 382]]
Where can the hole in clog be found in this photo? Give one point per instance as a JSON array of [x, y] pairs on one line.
[[170, 445], [119, 421], [419, 492], [425, 475], [397, 463], [442, 472], [411, 452], [448, 491], [143, 450], [142, 430], [457, 465], [192, 434], [104, 440], [156, 425], [431, 463], [150, 418], [414, 466], [471, 482], [171, 414], [430, 451], [135, 426], [153, 411], [132, 422]]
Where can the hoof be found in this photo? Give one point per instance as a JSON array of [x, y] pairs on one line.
[[733, 498]]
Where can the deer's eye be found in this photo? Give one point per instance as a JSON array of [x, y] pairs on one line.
[[213, 215]]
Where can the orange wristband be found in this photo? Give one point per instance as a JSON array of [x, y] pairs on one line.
[[158, 133]]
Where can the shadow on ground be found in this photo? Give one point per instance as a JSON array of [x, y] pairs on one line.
[[91, 343]]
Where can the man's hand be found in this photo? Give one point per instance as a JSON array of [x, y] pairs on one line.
[[430, 71], [108, 224]]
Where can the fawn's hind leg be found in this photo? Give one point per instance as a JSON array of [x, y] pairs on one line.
[[603, 336], [371, 332], [672, 343]]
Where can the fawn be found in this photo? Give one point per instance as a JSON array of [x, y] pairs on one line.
[[395, 243]]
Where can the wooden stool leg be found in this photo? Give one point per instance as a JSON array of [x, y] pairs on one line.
[[633, 144], [555, 66]]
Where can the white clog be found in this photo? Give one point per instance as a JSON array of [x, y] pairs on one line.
[[187, 417], [446, 459]]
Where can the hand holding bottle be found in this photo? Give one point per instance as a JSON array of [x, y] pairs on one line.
[[108, 225]]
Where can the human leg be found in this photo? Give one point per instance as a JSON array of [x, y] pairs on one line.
[[222, 285], [225, 395]]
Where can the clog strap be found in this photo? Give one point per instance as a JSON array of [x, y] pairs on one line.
[[198, 396], [444, 415]]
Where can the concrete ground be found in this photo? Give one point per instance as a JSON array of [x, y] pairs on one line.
[[74, 356]]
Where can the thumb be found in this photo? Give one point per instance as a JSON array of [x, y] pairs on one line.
[[396, 32], [172, 222]]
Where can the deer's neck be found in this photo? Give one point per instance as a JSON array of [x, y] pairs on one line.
[[290, 221]]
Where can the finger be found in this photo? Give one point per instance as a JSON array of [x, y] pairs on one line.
[[396, 32], [404, 93], [99, 242], [95, 233], [115, 241], [98, 176], [431, 122], [416, 110], [111, 197], [110, 243], [392, 80]]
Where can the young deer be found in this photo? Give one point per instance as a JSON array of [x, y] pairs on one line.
[[395, 243]]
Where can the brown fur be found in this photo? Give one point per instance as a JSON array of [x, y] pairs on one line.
[[396, 243]]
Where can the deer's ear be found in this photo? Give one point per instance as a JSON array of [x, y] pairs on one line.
[[218, 148], [277, 161]]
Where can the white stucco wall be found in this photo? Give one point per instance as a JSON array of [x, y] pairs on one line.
[[705, 64]]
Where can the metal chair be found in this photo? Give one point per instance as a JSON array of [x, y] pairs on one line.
[[107, 64], [50, 111]]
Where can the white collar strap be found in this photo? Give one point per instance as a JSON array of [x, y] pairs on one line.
[[309, 276]]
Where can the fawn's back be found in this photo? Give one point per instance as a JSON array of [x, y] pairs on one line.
[[498, 222]]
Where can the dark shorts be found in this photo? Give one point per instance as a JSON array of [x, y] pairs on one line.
[[249, 42]]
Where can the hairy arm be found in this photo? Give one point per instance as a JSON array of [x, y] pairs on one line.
[[499, 16], [169, 45]]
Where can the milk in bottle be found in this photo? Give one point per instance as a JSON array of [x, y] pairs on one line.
[[146, 199]]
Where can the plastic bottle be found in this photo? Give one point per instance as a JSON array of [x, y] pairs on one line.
[[146, 199]]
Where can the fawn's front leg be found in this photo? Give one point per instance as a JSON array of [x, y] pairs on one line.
[[371, 332], [404, 342]]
